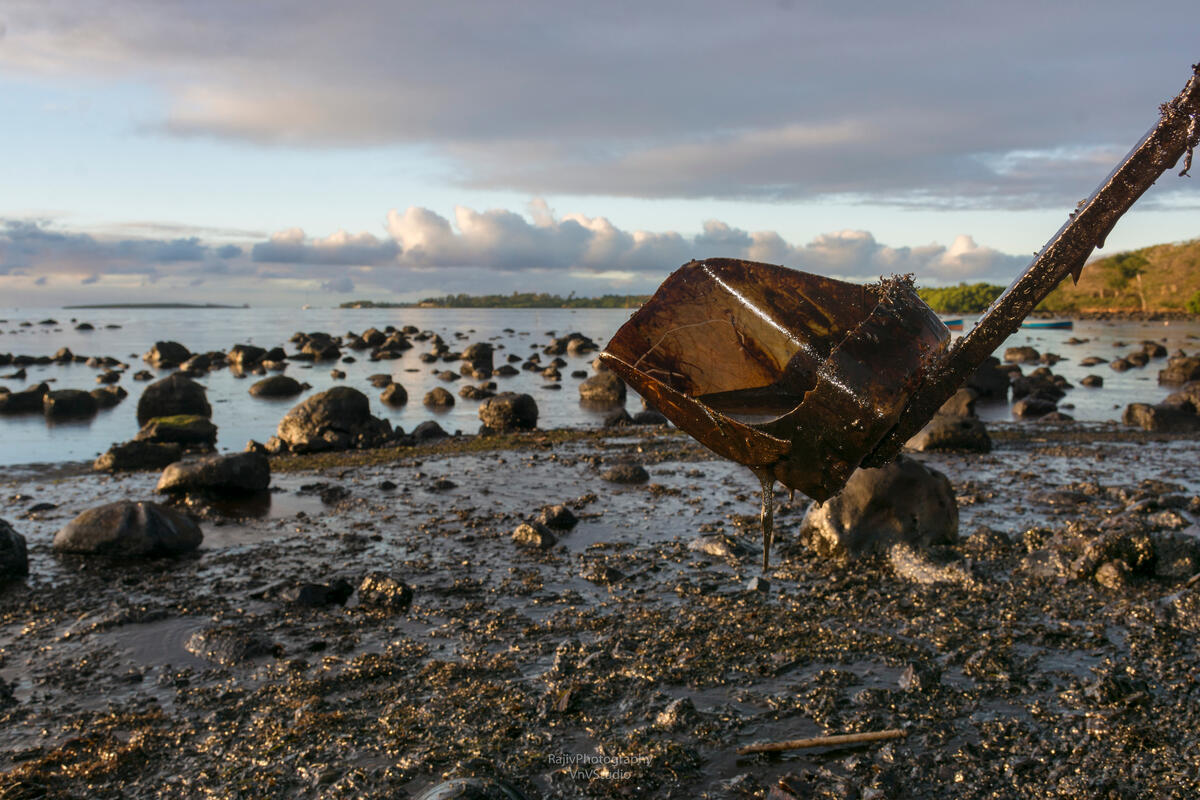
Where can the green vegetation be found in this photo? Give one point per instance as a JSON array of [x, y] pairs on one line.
[[1164, 277], [966, 298]]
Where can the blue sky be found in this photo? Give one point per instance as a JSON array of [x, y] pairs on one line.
[[292, 152]]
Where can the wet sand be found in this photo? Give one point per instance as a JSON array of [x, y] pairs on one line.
[[620, 641]]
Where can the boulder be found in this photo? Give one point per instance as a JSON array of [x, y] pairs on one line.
[[237, 473], [1032, 407], [189, 430], [165, 355], [509, 411], [337, 419], [626, 473], [428, 431], [1180, 369], [534, 534], [1092, 381], [952, 432], [604, 390], [989, 381], [174, 395], [477, 360], [557, 517], [649, 417], [26, 401], [961, 404], [137, 455], [108, 396], [69, 404], [1021, 355], [277, 386], [129, 529], [439, 398], [904, 502], [1187, 396], [245, 356], [14, 560], [1161, 418], [472, 392], [394, 395]]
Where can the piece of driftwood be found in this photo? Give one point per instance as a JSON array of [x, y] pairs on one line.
[[822, 741]]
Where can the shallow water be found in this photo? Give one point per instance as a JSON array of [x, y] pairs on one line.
[[31, 439]]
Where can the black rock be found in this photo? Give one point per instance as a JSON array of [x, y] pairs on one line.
[[14, 561], [238, 473], [626, 473], [383, 592], [509, 411], [137, 455], [129, 529], [174, 395]]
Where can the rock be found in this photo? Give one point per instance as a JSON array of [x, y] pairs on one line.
[[394, 395], [557, 517], [1187, 397], [574, 343], [317, 595], [626, 473], [617, 419], [1180, 369], [381, 591], [902, 502], [245, 356], [448, 376], [108, 376], [277, 386], [1161, 418], [129, 529], [961, 404], [472, 392], [1091, 361], [189, 430], [758, 585], [1092, 381], [438, 398], [648, 418], [477, 360], [506, 371], [1032, 407], [14, 560], [143, 375], [947, 432], [26, 401], [678, 713], [165, 355], [137, 455], [1176, 556], [534, 535], [379, 380], [172, 396], [336, 419], [717, 545], [428, 431], [603, 390], [989, 381], [914, 566], [1021, 355], [69, 404], [229, 645], [225, 474], [1113, 575], [1120, 364], [509, 411], [108, 396]]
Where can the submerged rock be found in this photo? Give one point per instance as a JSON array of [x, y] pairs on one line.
[[277, 386], [191, 431], [337, 419], [902, 502], [14, 561], [225, 474], [69, 404], [138, 455], [438, 398], [509, 411], [603, 390], [26, 401], [165, 355], [174, 395], [129, 529]]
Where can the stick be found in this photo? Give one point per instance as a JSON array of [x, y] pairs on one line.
[[1173, 137], [821, 741]]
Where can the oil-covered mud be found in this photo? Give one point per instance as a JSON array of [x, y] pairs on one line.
[[1051, 653]]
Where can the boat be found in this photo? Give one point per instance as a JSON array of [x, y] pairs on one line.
[[1056, 324], [953, 324]]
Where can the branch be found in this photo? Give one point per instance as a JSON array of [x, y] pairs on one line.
[[821, 741]]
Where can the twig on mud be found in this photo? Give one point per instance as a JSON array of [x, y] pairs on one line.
[[822, 741]]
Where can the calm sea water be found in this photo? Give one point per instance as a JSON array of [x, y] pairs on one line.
[[240, 417]]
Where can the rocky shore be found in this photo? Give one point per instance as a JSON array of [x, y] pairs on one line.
[[379, 620]]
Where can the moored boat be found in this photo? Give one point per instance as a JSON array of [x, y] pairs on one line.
[[1057, 324]]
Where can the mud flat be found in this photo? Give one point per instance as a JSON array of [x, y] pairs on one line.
[[1057, 660]]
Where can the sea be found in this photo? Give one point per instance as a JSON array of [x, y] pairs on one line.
[[127, 333]]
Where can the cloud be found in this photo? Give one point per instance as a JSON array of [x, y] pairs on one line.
[[926, 103], [473, 251], [293, 247]]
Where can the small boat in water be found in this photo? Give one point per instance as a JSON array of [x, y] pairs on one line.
[[1056, 324], [953, 324]]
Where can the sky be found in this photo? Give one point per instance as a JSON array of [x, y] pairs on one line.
[[286, 152]]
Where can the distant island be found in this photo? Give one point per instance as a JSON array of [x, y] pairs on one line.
[[1160, 278], [155, 305], [514, 300]]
